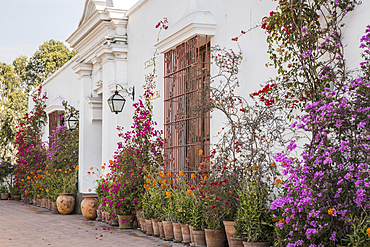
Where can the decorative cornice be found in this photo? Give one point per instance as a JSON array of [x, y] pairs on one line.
[[55, 105], [137, 6], [197, 23]]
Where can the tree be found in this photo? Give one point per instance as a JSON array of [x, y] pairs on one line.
[[50, 56], [13, 105]]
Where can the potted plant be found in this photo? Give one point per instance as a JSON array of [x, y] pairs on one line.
[[4, 192], [16, 192], [253, 221]]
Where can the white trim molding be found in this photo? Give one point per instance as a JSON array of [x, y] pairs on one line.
[[196, 23]]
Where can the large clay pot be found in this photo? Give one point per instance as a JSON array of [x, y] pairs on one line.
[[65, 203], [199, 238], [177, 232], [125, 221], [229, 230], [236, 242], [149, 227], [161, 231], [185, 230], [54, 208], [99, 215], [17, 198], [43, 202], [168, 230], [258, 244], [49, 204], [155, 227], [215, 238], [89, 206], [38, 202]]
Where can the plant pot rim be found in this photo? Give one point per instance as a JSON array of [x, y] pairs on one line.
[[67, 194], [256, 242], [88, 196]]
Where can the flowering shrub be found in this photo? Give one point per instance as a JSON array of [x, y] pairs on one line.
[[31, 152], [141, 147], [331, 183]]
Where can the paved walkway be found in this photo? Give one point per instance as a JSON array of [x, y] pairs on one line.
[[23, 225]]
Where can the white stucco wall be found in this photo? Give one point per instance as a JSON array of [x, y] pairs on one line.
[[117, 63]]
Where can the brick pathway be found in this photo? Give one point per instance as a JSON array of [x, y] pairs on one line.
[[22, 225]]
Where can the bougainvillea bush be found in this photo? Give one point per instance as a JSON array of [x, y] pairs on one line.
[[31, 152], [330, 186], [141, 147]]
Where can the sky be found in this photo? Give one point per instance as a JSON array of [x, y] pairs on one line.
[[27, 24]]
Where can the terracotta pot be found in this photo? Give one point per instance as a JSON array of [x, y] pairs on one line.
[[49, 204], [99, 215], [89, 206], [185, 230], [191, 234], [34, 201], [65, 203], [161, 230], [177, 232], [155, 227], [38, 202], [113, 221], [142, 225], [199, 238], [149, 227], [236, 242], [43, 202], [258, 244], [215, 238], [125, 221], [17, 198], [229, 230], [54, 208], [168, 230]]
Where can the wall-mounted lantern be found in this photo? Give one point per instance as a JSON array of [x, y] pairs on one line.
[[71, 122], [116, 102]]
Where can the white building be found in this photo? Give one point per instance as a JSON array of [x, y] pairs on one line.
[[115, 46]]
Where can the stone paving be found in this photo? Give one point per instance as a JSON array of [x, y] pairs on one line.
[[24, 225]]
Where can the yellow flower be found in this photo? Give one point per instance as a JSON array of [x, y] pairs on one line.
[[168, 194], [200, 152], [181, 173], [47, 190], [331, 211], [179, 210], [192, 175]]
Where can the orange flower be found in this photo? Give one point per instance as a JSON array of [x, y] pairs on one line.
[[60, 170], [168, 194], [175, 186], [273, 164], [331, 211], [160, 181], [200, 152], [368, 231], [153, 185], [273, 220], [148, 180], [91, 168], [267, 179], [149, 176], [181, 173], [154, 181], [163, 186], [205, 177], [146, 186], [255, 168], [168, 174], [282, 221], [169, 182], [47, 190], [159, 173], [28, 177], [110, 161], [192, 175], [230, 192], [38, 196], [188, 191], [278, 182]]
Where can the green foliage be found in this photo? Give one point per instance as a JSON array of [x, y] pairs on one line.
[[5, 169], [3, 189], [50, 56], [254, 218], [359, 236], [198, 215]]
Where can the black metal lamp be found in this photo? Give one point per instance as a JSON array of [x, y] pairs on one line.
[[71, 122], [116, 102]]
